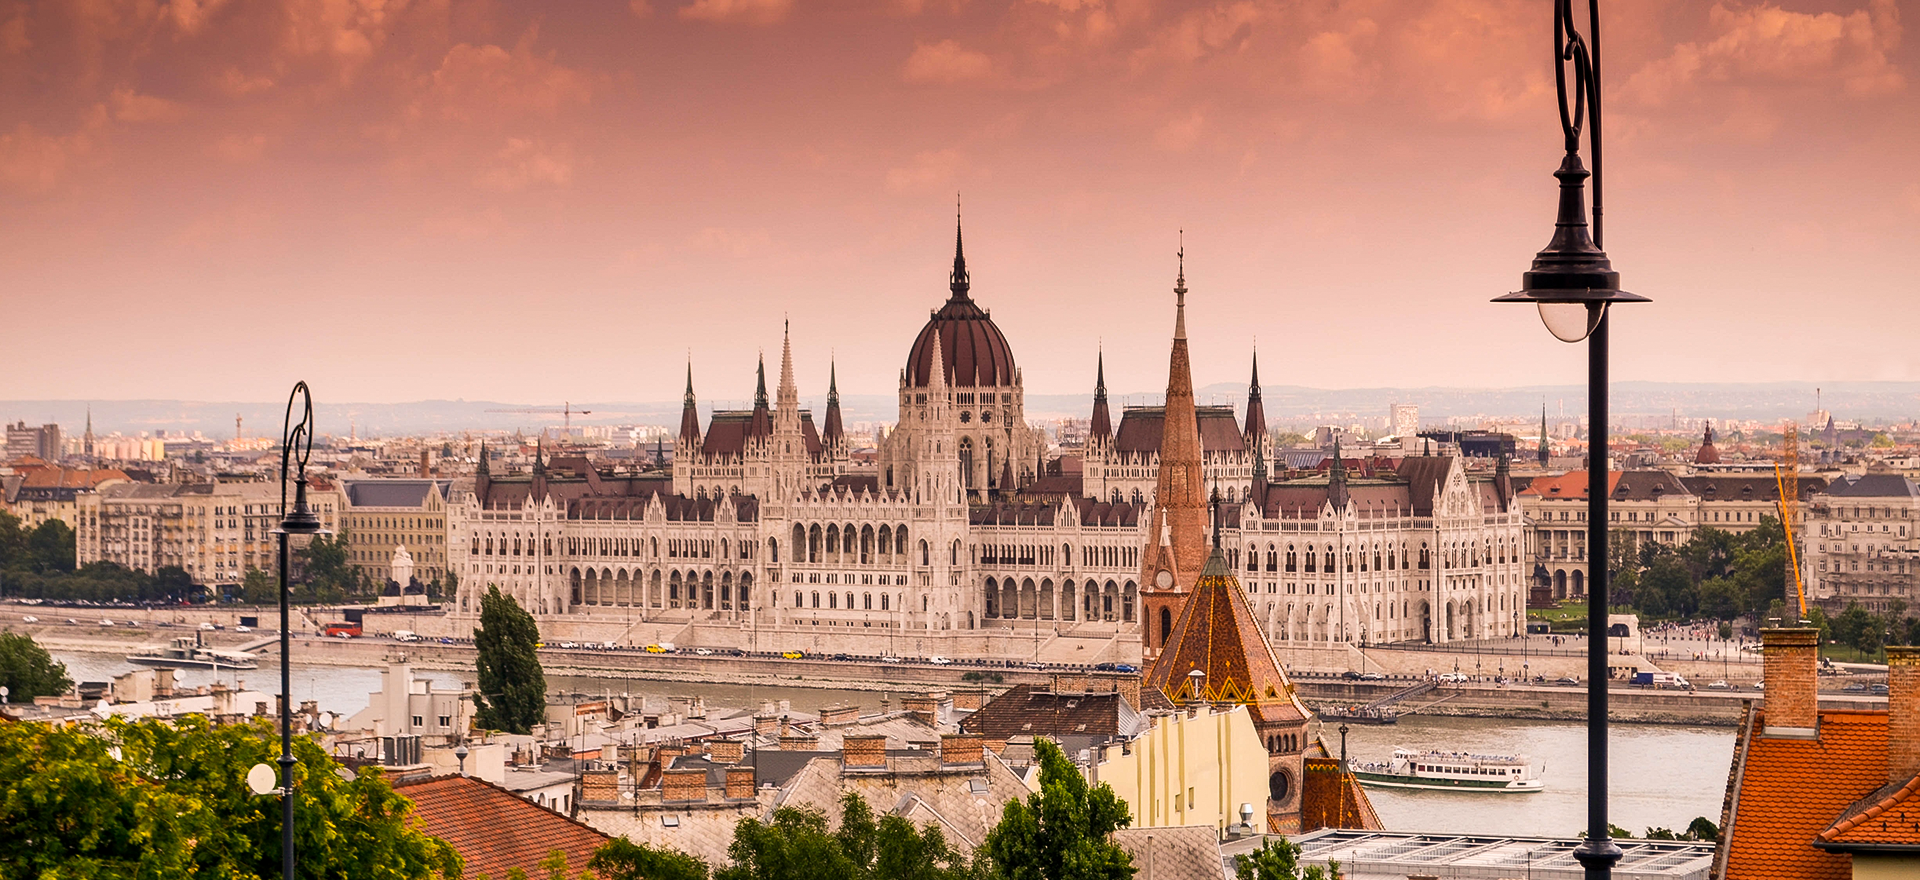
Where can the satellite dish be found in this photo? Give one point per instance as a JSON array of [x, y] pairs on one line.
[[102, 710], [346, 774], [260, 779]]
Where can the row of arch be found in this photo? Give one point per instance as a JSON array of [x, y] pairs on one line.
[[1025, 599], [701, 590], [864, 545]]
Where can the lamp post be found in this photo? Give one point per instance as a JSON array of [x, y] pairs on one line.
[[1572, 283], [296, 447], [460, 754]]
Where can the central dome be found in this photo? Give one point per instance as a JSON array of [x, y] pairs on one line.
[[975, 352]]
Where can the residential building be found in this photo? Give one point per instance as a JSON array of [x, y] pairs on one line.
[[1863, 542], [38, 492], [40, 441], [496, 831], [1193, 767], [1823, 794], [214, 531], [409, 706], [384, 514]]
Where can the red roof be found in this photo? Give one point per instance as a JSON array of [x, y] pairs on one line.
[[1890, 816], [495, 830], [974, 350], [1787, 790]]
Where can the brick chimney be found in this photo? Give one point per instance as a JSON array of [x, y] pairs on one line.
[[925, 708], [1903, 713], [725, 751], [962, 748], [1129, 688], [740, 782], [799, 742], [864, 751], [840, 714], [969, 700], [600, 785], [766, 725], [1793, 699], [684, 784]]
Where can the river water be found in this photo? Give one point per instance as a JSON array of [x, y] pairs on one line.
[[1662, 775]]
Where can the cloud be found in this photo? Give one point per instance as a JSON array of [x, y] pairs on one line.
[[930, 171], [33, 161], [640, 8], [523, 162], [1179, 135], [240, 147], [190, 15], [130, 106], [946, 62], [1769, 45], [754, 12], [483, 81], [233, 83]]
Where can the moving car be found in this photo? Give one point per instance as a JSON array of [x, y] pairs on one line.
[[938, 660], [704, 652], [29, 619], [243, 628], [105, 622], [790, 655], [1716, 685]]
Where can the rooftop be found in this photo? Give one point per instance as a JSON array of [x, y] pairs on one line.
[[1376, 855]]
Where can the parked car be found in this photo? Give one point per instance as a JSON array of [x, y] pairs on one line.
[[938, 660], [1569, 681], [1716, 685], [792, 655], [889, 659], [1453, 677], [1350, 675], [446, 640], [704, 652], [568, 645], [105, 622], [29, 619], [206, 626], [1374, 676], [1878, 690], [243, 628]]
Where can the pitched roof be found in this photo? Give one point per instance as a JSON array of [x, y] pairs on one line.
[[1182, 852], [1217, 635], [1873, 486], [392, 493], [1031, 710], [1142, 426], [1889, 817], [495, 830], [1787, 790], [1746, 487]]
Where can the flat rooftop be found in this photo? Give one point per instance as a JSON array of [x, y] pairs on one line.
[[1380, 855]]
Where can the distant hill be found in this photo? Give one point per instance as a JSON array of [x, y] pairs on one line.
[[1864, 401]]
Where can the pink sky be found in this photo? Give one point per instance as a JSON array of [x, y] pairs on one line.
[[535, 201]]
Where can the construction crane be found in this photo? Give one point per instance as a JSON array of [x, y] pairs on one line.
[[566, 412], [1786, 476]]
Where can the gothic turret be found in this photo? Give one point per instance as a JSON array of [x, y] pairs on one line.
[[762, 423], [834, 435], [1543, 435], [690, 416], [1256, 429], [1101, 430], [1337, 480]]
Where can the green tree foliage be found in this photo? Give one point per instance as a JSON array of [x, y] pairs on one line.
[[28, 671], [1701, 828], [622, 859], [259, 588], [326, 571], [152, 799], [512, 692], [1715, 574], [795, 845], [38, 563], [51, 547], [1061, 832], [1279, 859], [1860, 629]]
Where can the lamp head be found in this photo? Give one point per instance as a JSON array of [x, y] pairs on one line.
[[300, 519], [1572, 282]]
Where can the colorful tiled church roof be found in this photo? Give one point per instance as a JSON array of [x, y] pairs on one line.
[[1216, 634]]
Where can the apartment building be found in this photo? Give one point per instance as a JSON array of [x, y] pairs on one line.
[[214, 531], [1861, 542]]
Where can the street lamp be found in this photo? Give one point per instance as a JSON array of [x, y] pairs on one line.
[[1572, 283], [296, 447], [460, 754]]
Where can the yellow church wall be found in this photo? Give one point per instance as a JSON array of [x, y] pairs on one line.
[[1190, 770]]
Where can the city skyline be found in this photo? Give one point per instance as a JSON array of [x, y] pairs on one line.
[[495, 203]]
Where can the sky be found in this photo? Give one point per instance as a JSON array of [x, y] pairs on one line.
[[400, 200]]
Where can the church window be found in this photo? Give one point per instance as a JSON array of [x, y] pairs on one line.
[[816, 599], [883, 601], [866, 601]]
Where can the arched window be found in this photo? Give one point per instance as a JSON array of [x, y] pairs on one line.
[[1425, 563], [883, 601], [833, 600], [773, 550], [923, 552], [816, 598], [866, 601]]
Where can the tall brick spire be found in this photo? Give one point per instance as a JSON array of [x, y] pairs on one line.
[[1178, 543]]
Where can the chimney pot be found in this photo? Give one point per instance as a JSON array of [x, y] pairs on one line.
[[1793, 699]]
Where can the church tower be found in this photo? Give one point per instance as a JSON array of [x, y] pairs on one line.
[[787, 441], [1176, 546], [686, 446]]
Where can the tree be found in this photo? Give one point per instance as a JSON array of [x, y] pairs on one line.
[[622, 859], [513, 688], [328, 567], [259, 588], [51, 547], [1280, 860], [795, 845], [28, 671], [1062, 831], [169, 800]]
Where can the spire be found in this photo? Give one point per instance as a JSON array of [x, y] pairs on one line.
[[1215, 504], [689, 412], [958, 282], [483, 470], [1337, 479], [1543, 434], [1256, 429], [760, 389], [1006, 476], [1180, 492], [789, 393], [833, 432], [1180, 292], [1102, 427], [539, 457]]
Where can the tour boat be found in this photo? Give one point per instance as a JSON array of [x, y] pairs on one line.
[[189, 651], [1450, 771]]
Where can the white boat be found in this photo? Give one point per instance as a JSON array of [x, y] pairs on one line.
[[1450, 771], [190, 651]]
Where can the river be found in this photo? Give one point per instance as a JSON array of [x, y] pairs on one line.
[[1663, 775]]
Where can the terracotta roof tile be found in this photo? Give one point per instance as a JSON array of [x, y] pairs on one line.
[[1217, 634], [1791, 789], [1888, 816], [495, 830]]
